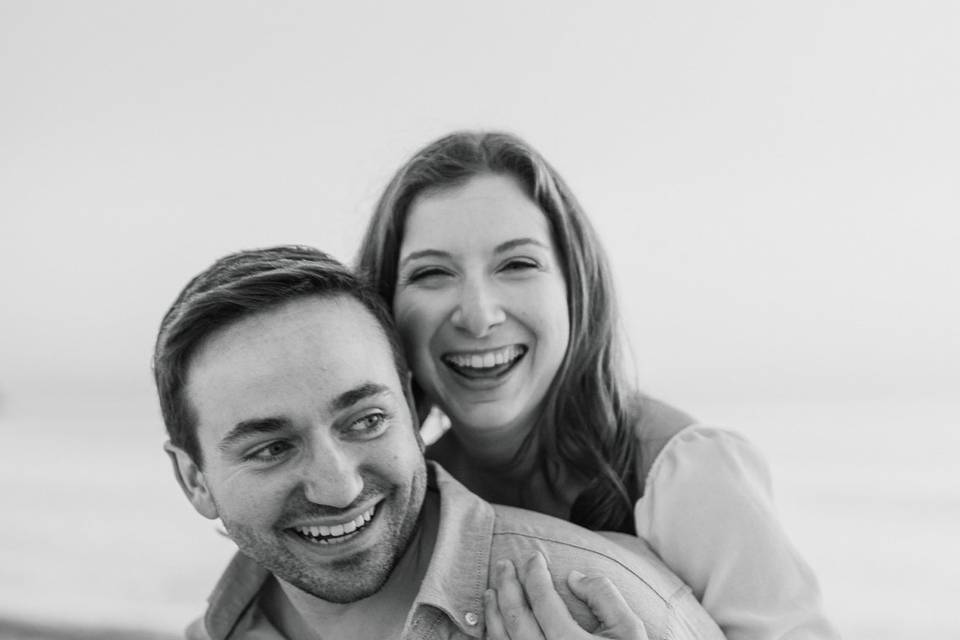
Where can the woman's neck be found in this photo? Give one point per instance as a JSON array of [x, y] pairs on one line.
[[485, 464], [492, 449]]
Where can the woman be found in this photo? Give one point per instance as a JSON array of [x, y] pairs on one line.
[[504, 299]]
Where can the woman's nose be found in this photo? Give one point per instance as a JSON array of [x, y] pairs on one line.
[[332, 477], [478, 311]]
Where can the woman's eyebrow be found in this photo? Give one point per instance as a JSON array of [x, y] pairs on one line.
[[425, 253], [500, 248], [519, 242]]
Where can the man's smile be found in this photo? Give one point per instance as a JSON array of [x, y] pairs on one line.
[[337, 533]]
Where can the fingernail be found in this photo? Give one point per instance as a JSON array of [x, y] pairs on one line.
[[540, 560], [529, 562], [504, 568], [576, 576]]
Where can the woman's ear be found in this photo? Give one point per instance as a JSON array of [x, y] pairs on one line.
[[192, 481]]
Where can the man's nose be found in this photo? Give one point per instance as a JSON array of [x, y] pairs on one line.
[[332, 476], [478, 310]]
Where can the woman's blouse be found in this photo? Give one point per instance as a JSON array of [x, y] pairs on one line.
[[707, 510]]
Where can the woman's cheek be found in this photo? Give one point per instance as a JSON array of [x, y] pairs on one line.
[[414, 322], [403, 314]]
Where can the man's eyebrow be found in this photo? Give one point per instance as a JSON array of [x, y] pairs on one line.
[[269, 425], [500, 248], [246, 428], [359, 393]]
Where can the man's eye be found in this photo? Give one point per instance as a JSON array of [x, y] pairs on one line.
[[269, 452], [369, 425]]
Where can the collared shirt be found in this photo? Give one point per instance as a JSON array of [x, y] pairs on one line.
[[472, 536]]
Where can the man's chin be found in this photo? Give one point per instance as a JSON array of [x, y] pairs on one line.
[[343, 582], [345, 593]]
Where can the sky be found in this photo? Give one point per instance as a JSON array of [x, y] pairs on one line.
[[775, 182]]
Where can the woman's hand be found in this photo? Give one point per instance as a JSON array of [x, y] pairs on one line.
[[510, 617]]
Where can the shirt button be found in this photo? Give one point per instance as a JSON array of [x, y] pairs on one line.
[[471, 618]]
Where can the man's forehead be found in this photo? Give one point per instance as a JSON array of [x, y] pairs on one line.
[[321, 345], [334, 322]]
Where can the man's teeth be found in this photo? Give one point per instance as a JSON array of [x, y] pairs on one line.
[[338, 530], [486, 360]]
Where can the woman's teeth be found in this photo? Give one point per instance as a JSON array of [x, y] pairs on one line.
[[326, 535], [486, 360]]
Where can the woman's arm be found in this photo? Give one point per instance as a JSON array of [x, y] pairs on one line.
[[708, 512]]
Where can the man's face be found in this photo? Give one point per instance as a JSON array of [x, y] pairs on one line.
[[311, 459]]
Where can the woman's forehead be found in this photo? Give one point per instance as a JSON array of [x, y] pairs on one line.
[[488, 210]]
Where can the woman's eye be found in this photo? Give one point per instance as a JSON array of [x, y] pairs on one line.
[[520, 264], [369, 425], [270, 452], [426, 274]]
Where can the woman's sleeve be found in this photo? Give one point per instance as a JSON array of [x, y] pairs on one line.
[[708, 511]]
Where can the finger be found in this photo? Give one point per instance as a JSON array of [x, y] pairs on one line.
[[491, 617], [548, 607], [517, 617], [616, 618]]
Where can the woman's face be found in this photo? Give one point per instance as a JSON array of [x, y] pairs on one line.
[[481, 303]]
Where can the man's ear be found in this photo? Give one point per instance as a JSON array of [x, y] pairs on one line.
[[192, 481]]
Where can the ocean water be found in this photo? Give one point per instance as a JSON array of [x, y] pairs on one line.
[[96, 532]]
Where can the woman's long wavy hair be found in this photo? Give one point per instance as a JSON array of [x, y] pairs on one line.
[[589, 414]]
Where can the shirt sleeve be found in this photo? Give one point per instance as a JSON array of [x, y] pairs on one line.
[[708, 511], [197, 631]]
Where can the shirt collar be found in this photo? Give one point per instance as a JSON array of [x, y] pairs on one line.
[[457, 576], [236, 590]]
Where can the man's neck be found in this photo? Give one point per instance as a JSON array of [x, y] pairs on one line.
[[299, 615]]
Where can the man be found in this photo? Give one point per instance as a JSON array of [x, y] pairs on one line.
[[286, 398]]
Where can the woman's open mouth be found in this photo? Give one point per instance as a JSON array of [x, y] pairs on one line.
[[484, 364]]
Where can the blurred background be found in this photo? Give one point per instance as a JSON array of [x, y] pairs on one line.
[[776, 184]]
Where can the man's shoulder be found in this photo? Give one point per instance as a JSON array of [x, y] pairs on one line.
[[658, 597], [197, 630], [524, 529]]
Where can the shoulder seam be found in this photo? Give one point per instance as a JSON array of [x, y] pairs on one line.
[[670, 443], [540, 538]]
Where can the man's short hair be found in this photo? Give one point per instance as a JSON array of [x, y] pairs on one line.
[[236, 286]]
